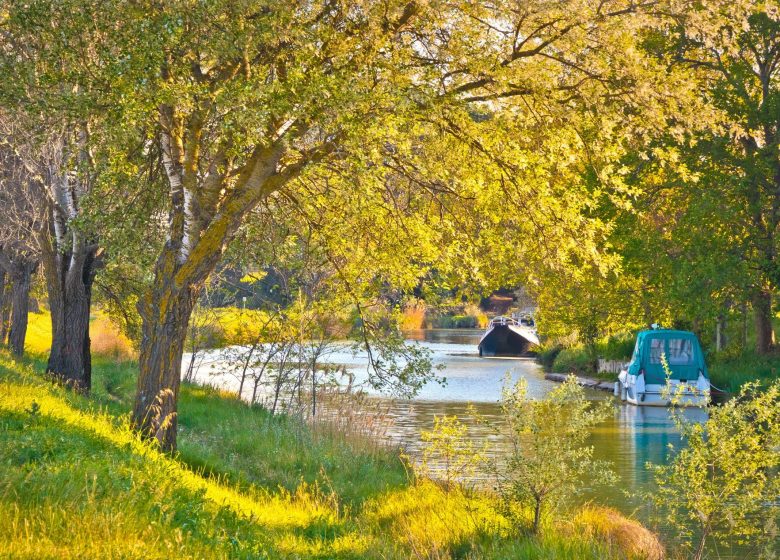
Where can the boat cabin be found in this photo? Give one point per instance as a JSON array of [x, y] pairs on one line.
[[683, 356]]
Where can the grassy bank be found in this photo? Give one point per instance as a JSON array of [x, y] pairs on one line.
[[730, 372], [418, 315], [77, 483]]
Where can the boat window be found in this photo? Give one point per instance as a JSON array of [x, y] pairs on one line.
[[680, 352], [656, 350]]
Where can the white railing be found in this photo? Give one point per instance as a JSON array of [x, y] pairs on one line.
[[503, 321], [611, 366]]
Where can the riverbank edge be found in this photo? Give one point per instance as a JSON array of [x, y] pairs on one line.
[[593, 533], [589, 382]]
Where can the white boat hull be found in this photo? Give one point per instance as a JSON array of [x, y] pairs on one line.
[[633, 390]]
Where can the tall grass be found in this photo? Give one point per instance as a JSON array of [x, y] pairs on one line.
[[730, 372], [413, 316], [77, 483], [107, 340]]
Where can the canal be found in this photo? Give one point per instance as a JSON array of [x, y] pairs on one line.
[[629, 440]]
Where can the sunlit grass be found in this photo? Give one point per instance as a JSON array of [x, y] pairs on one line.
[[106, 338], [78, 483], [38, 339]]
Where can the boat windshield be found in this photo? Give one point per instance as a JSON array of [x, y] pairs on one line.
[[656, 350], [680, 352]]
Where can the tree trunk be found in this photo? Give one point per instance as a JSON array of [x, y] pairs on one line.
[[721, 325], [166, 313], [20, 298], [701, 546], [5, 305], [537, 515], [69, 281], [762, 310]]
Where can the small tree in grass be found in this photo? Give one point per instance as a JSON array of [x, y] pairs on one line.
[[548, 459], [448, 452], [724, 485]]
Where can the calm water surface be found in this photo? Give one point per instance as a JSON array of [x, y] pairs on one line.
[[630, 439]]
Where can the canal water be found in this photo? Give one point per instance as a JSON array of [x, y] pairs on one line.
[[632, 438], [629, 440]]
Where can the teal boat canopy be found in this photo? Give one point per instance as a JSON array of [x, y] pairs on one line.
[[681, 348]]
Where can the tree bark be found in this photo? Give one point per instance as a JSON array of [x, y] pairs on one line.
[[5, 305], [20, 298], [69, 279], [762, 310], [166, 314], [537, 515]]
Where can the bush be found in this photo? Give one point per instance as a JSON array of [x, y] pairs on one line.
[[729, 372], [624, 534], [458, 322], [617, 347], [549, 458], [546, 354], [466, 316], [722, 485], [574, 360]]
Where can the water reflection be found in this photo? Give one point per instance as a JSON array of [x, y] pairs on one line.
[[629, 440]]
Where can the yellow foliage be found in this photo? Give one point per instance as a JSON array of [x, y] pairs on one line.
[[413, 316], [106, 338]]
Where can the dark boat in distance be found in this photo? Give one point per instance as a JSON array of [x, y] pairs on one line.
[[509, 336]]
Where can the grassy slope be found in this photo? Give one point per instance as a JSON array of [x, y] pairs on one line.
[[77, 483]]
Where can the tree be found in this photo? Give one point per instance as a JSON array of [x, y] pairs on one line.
[[5, 305], [59, 180], [549, 458], [20, 220], [723, 483], [448, 453], [242, 103], [732, 51], [56, 162], [19, 269]]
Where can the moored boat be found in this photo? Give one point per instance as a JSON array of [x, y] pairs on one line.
[[508, 336], [682, 381]]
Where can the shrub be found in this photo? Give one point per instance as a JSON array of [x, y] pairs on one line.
[[574, 360], [730, 372], [549, 457], [546, 355], [723, 483], [456, 322], [617, 347], [624, 534]]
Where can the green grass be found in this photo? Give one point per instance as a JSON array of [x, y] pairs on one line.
[[730, 372], [75, 482]]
